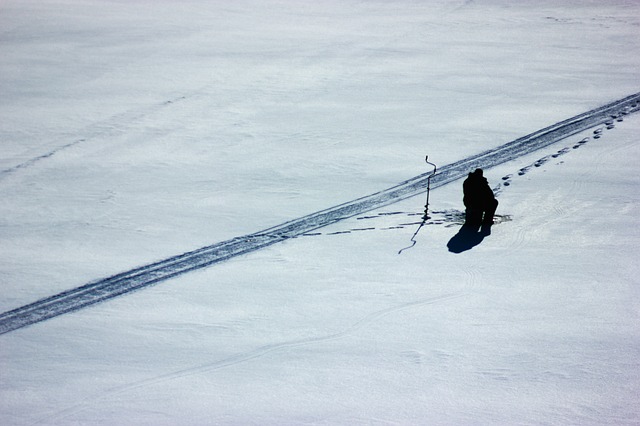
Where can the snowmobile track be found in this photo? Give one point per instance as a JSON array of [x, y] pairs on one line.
[[135, 279]]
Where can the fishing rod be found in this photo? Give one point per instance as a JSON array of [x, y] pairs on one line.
[[425, 217]]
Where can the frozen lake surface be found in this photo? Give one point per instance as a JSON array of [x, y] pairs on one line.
[[132, 132]]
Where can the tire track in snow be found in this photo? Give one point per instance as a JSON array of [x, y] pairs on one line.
[[135, 279]]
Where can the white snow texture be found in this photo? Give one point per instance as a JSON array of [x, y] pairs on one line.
[[133, 131]]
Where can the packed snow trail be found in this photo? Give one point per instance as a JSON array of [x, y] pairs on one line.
[[135, 279]]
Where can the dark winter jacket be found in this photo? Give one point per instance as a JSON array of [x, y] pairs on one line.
[[477, 193]]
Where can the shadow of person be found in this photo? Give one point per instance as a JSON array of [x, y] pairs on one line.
[[468, 237]]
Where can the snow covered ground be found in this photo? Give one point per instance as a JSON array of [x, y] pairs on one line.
[[134, 131]]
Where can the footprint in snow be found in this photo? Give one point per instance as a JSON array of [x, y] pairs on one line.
[[597, 133], [523, 171], [506, 180], [580, 143], [561, 152], [541, 161]]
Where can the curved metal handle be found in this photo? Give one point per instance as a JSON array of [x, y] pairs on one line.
[[434, 166]]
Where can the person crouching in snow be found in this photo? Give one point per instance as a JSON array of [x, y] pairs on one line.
[[479, 200]]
